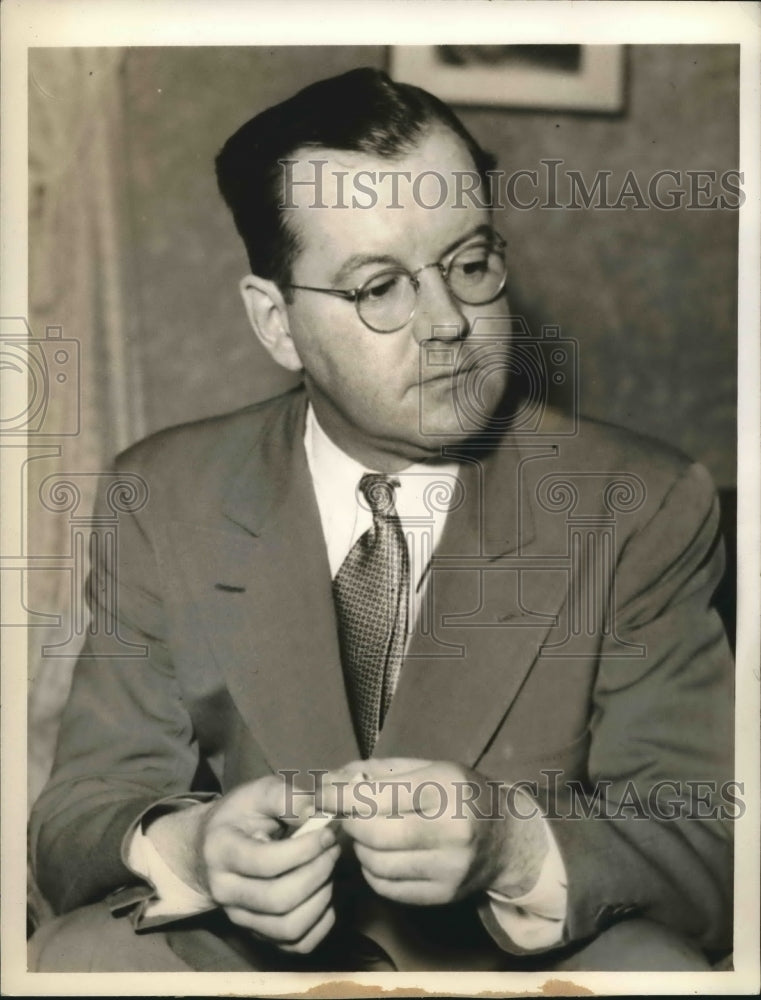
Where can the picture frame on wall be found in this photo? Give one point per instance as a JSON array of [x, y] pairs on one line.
[[558, 77]]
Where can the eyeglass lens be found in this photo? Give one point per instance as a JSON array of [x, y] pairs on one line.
[[475, 276]]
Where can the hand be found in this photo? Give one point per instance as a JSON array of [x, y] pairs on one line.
[[278, 888], [419, 841]]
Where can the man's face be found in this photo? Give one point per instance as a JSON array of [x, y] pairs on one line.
[[377, 394]]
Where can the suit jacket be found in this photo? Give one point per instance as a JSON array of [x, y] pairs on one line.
[[567, 639]]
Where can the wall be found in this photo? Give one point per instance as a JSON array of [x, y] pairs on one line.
[[649, 295]]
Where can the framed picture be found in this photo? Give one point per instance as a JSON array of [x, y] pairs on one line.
[[561, 77]]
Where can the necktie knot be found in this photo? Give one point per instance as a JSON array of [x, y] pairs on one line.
[[380, 493]]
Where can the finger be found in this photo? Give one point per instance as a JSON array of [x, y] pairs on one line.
[[389, 767], [314, 823], [312, 938], [273, 796], [368, 797], [347, 772], [375, 767], [283, 799], [336, 787], [413, 892], [243, 855], [260, 828], [414, 792], [276, 896], [286, 928], [422, 865], [432, 791], [406, 832]]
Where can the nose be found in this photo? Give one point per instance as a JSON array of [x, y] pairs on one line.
[[439, 314]]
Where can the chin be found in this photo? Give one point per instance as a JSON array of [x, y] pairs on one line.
[[432, 444]]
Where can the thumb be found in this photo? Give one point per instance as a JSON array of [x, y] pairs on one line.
[[393, 767], [276, 798]]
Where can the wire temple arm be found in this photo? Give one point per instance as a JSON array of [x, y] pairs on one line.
[[342, 293]]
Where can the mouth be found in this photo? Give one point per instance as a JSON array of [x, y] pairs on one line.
[[458, 371]]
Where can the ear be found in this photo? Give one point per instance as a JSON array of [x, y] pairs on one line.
[[268, 316]]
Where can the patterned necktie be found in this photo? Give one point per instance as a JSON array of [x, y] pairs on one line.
[[371, 591]]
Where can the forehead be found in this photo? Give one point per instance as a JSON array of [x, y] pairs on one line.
[[341, 202]]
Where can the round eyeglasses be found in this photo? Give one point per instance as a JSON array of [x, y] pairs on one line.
[[386, 301]]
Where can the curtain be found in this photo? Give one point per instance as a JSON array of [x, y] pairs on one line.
[[79, 288]]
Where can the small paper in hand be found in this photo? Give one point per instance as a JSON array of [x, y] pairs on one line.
[[312, 824]]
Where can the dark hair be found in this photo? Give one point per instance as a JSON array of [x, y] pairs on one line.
[[362, 111]]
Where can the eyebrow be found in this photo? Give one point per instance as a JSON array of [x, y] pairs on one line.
[[484, 229], [357, 260]]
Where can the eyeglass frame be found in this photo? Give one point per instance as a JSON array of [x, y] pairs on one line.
[[353, 294]]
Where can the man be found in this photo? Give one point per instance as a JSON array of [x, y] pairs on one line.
[[485, 653]]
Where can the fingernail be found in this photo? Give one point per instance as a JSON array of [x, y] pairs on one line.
[[327, 838]]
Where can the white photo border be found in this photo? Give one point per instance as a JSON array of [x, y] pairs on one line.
[[30, 23]]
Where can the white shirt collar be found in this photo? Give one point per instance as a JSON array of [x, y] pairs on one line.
[[336, 476]]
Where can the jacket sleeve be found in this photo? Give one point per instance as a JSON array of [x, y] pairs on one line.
[[125, 739], [657, 843]]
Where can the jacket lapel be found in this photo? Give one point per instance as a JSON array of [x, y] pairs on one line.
[[488, 613], [262, 585]]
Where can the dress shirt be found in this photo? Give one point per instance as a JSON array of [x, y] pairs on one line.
[[532, 921]]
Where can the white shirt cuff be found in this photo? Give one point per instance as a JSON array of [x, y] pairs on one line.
[[174, 898], [536, 919]]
